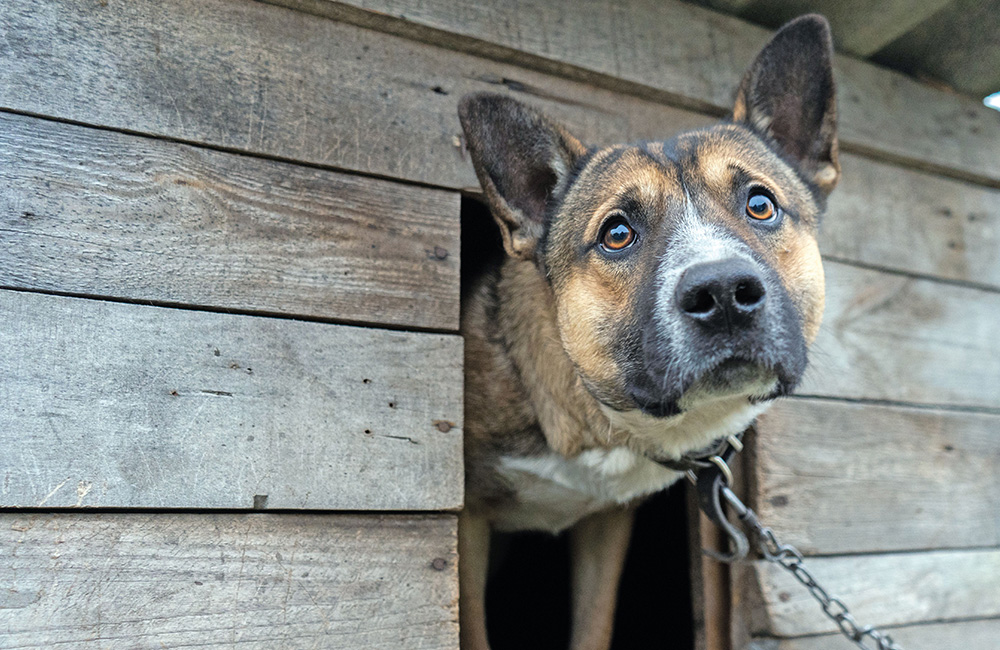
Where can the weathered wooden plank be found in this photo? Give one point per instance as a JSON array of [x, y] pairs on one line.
[[893, 218], [691, 56], [881, 590], [102, 213], [710, 594], [858, 27], [957, 45], [118, 405], [840, 478], [725, 6], [897, 338], [968, 635], [403, 95], [264, 79], [250, 581]]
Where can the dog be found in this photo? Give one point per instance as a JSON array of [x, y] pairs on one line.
[[652, 298]]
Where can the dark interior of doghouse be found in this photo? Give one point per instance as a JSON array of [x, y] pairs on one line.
[[528, 594]]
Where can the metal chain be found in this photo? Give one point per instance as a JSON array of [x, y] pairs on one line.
[[790, 558]]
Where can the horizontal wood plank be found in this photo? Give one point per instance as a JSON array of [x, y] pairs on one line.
[[102, 213], [268, 80], [856, 29], [892, 337], [835, 477], [332, 94], [893, 218], [250, 581], [967, 635], [678, 52], [881, 590], [118, 405], [957, 47]]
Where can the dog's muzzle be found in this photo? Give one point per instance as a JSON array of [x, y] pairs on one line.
[[730, 328]]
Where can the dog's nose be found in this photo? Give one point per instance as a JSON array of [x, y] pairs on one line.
[[725, 294]]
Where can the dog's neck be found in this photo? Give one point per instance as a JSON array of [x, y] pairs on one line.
[[570, 417]]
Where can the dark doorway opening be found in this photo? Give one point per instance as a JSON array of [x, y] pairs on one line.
[[528, 596]]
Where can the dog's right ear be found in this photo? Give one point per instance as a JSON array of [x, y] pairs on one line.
[[522, 160]]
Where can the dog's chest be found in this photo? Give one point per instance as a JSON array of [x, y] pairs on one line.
[[554, 492]]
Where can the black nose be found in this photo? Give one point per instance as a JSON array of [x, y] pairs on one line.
[[726, 294]]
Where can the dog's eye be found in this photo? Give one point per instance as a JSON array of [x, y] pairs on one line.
[[617, 235], [760, 206]]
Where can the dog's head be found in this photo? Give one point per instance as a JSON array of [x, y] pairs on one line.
[[682, 271]]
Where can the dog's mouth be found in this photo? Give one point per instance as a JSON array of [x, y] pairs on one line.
[[737, 376], [730, 377]]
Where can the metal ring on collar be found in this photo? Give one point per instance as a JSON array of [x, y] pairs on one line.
[[727, 474]]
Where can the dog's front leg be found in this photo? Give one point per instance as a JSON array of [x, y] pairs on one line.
[[473, 560], [599, 543]]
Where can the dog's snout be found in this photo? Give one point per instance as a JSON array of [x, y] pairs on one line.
[[722, 294]]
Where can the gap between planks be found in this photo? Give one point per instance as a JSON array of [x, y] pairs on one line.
[[965, 284], [951, 408], [304, 318]]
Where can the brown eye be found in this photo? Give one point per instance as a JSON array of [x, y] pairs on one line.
[[760, 206], [617, 235]]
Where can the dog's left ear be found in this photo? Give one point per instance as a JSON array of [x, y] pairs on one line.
[[522, 159], [788, 94]]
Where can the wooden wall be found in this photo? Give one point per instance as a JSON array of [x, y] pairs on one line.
[[229, 265], [230, 378]]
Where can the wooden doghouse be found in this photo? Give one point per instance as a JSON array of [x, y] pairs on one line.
[[230, 374]]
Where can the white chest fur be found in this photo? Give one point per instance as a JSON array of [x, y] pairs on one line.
[[554, 491]]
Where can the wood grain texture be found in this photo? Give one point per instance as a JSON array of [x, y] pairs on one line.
[[893, 218], [347, 97], [118, 405], [677, 52], [881, 590], [268, 80], [710, 594], [968, 60], [902, 339], [856, 27], [102, 213], [844, 478], [250, 581], [967, 635]]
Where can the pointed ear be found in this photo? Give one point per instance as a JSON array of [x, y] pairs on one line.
[[788, 94], [522, 160]]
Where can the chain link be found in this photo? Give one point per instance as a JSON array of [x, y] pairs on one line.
[[790, 559]]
